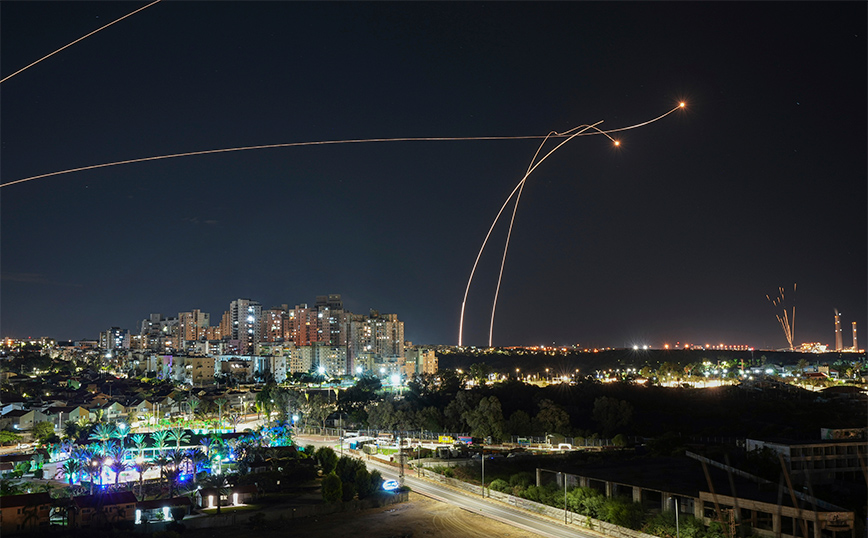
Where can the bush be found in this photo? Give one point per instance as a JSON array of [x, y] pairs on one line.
[[586, 501], [326, 458], [500, 485], [376, 481], [522, 480], [363, 483], [622, 512], [257, 521], [332, 489]]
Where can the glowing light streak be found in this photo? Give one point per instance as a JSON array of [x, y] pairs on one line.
[[272, 146], [787, 325], [581, 130], [76, 41]]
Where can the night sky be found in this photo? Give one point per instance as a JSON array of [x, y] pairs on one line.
[[677, 235]]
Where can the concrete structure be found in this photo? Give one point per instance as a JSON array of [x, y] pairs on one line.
[[839, 335], [200, 370], [192, 327], [818, 462], [24, 513], [246, 316], [332, 358], [380, 334], [103, 508], [418, 361], [301, 359], [768, 513], [114, 339]]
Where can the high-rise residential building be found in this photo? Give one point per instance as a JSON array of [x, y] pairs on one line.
[[333, 359], [302, 327], [114, 339], [301, 360], [272, 324], [332, 321], [193, 326], [380, 334], [246, 317], [419, 360], [159, 331]]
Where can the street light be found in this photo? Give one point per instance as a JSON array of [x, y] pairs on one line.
[[559, 473]]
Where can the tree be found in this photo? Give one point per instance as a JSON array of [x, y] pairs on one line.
[[159, 438], [486, 420], [234, 419], [381, 415], [141, 465], [71, 467], [551, 418], [102, 432], [519, 424], [116, 455], [326, 458], [43, 431], [612, 414], [7, 438], [218, 482], [193, 404], [179, 435], [454, 413], [220, 403], [139, 441], [332, 488], [479, 372]]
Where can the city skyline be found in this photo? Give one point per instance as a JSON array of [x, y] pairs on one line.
[[677, 234]]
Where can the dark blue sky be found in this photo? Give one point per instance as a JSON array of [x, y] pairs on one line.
[[677, 235]]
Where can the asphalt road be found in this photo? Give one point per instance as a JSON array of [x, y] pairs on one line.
[[474, 503]]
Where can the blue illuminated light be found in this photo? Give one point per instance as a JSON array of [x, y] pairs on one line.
[[390, 485]]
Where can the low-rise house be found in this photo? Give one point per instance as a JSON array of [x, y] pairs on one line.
[[22, 419], [207, 497], [19, 513], [103, 508], [161, 509]]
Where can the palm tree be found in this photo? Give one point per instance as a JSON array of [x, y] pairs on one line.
[[71, 467], [117, 465], [197, 458], [102, 433], [159, 438], [141, 465], [139, 441], [176, 458], [234, 419], [163, 462], [193, 403], [179, 435], [220, 403]]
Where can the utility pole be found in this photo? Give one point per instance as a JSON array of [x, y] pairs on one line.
[[401, 459], [482, 459]]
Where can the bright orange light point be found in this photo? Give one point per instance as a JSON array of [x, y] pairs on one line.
[[617, 142], [681, 104]]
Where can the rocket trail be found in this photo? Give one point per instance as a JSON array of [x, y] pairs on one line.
[[579, 131], [76, 41], [283, 145]]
